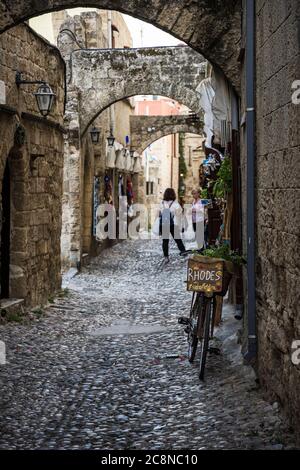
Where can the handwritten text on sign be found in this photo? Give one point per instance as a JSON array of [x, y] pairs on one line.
[[203, 277]]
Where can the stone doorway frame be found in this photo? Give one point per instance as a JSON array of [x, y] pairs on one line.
[[5, 247]]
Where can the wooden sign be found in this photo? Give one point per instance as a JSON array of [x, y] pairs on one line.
[[205, 275]]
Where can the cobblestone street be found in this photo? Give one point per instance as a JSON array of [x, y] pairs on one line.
[[74, 381]]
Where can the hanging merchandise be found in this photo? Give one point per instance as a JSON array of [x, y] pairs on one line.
[[120, 159], [121, 190], [137, 168], [129, 191], [128, 164], [206, 168], [108, 189], [96, 204]]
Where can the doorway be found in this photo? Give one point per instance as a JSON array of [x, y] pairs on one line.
[[5, 234]]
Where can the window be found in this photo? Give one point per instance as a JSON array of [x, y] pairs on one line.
[[149, 188], [114, 35]]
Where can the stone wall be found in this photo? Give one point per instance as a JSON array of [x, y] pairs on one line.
[[84, 160], [194, 155], [147, 129], [278, 200], [212, 27], [130, 72], [34, 157]]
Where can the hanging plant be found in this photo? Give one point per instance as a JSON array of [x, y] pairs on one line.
[[223, 184]]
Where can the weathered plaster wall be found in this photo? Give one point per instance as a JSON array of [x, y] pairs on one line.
[[35, 166]]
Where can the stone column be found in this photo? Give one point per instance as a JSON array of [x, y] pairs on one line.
[[71, 210]]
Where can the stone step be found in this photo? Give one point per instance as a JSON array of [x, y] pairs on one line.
[[10, 307]]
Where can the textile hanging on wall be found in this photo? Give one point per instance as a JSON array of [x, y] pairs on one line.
[[97, 192], [129, 191], [108, 189], [216, 100]]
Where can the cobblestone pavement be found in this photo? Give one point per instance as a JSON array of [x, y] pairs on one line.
[[72, 384]]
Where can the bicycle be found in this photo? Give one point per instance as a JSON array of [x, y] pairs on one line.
[[212, 280]]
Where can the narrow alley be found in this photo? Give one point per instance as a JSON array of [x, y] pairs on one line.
[[105, 366]]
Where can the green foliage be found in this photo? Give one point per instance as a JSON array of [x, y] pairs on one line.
[[38, 312], [204, 194], [15, 317], [63, 293], [224, 252], [223, 184]]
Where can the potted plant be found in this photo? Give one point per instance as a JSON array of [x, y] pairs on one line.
[[231, 262]]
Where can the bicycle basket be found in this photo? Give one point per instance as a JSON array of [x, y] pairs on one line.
[[209, 275]]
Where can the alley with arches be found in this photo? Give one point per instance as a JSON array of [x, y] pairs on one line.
[[118, 119], [106, 367]]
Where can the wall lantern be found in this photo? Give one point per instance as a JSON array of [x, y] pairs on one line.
[[44, 94], [95, 135], [111, 140]]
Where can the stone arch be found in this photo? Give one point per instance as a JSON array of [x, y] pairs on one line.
[[146, 130], [104, 77], [212, 27], [165, 134]]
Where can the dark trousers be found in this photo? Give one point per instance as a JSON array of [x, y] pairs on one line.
[[178, 242]]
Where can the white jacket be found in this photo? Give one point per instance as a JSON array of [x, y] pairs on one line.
[[175, 209]]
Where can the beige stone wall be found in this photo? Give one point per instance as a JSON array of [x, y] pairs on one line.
[[122, 37], [278, 200], [84, 160], [193, 158], [131, 72], [35, 165], [23, 50], [164, 173], [123, 111], [211, 28]]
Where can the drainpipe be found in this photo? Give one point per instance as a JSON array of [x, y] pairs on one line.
[[251, 154]]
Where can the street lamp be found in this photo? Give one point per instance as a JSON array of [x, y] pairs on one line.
[[111, 140], [44, 94], [95, 135]]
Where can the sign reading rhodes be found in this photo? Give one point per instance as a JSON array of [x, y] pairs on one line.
[[205, 275]]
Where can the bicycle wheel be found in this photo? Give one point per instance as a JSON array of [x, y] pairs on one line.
[[205, 338], [193, 327]]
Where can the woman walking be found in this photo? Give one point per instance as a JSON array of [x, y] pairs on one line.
[[198, 218], [170, 222]]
